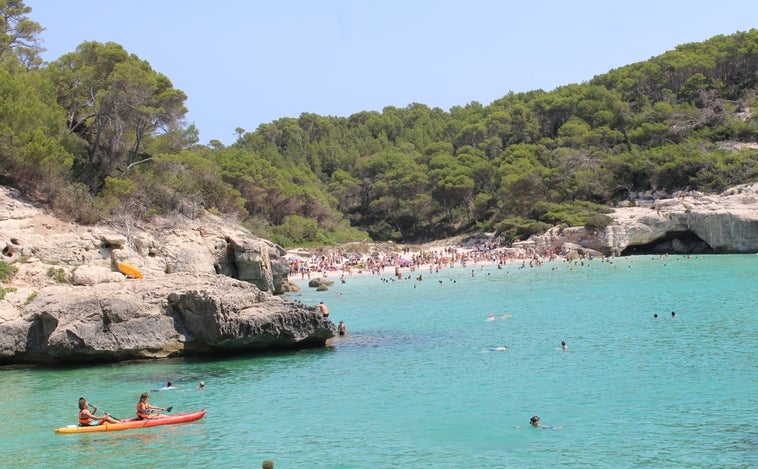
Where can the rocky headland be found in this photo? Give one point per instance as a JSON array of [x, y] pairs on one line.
[[683, 223], [209, 286]]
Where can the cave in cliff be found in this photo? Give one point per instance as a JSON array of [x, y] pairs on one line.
[[675, 242]]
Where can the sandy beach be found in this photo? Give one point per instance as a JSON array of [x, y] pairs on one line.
[[408, 261]]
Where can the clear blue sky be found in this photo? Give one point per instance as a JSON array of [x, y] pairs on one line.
[[245, 63]]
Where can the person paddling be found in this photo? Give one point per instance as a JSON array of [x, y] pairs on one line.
[[145, 410], [86, 417]]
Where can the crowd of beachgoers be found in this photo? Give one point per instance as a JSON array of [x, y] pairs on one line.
[[411, 259]]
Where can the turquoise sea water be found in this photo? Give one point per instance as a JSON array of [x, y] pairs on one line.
[[417, 383]]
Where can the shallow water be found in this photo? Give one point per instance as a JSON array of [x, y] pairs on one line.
[[417, 383]]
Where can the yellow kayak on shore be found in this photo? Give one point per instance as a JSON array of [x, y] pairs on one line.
[[129, 270]]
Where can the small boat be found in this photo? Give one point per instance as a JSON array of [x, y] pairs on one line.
[[129, 424]]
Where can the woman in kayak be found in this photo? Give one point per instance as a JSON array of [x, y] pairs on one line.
[[86, 417], [145, 410]]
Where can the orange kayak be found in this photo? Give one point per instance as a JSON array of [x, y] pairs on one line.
[[128, 424], [129, 270]]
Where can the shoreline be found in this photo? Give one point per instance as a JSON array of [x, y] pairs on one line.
[[410, 261], [466, 259]]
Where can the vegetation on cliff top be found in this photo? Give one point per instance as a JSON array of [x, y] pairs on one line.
[[98, 134]]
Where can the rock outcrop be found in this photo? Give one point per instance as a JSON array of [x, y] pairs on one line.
[[179, 315], [687, 223], [208, 287], [206, 244]]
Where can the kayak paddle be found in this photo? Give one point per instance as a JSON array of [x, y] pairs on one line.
[[167, 409], [95, 410]]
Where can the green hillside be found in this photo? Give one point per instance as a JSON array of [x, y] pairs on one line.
[[99, 135]]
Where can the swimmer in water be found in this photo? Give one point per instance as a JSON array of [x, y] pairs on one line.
[[491, 317], [535, 422], [564, 346]]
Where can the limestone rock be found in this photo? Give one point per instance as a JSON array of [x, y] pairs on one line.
[[207, 286], [320, 282], [180, 315], [93, 274], [687, 223], [204, 245], [113, 240]]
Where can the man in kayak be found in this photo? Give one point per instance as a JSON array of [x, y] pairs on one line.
[[145, 410], [86, 417]]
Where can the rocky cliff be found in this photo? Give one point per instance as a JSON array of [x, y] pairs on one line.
[[207, 287], [206, 244], [686, 223], [180, 314]]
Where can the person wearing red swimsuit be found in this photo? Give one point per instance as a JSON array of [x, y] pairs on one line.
[[86, 417]]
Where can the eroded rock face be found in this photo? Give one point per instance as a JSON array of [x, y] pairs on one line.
[[687, 223], [180, 315], [206, 288], [204, 245]]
